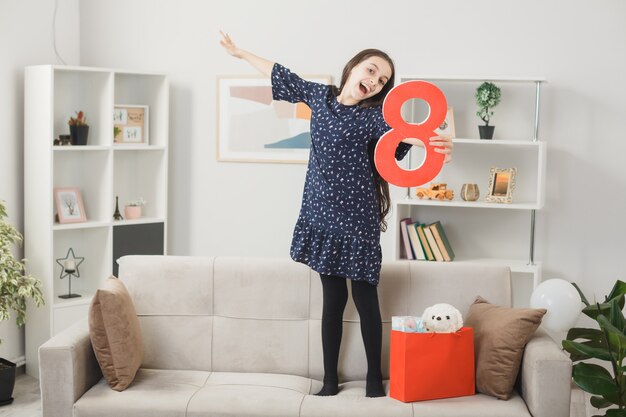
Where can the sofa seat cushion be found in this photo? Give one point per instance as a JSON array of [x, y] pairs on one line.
[[479, 405], [351, 401], [154, 393], [249, 394]]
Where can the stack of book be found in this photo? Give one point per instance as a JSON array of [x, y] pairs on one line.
[[424, 242]]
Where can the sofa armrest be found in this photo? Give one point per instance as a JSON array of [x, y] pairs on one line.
[[67, 369], [546, 377]]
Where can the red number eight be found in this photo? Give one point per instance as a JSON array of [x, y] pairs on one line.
[[384, 155]]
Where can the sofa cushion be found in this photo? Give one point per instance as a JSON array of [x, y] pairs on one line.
[[456, 283], [472, 405], [115, 334], [351, 401], [154, 393], [178, 285], [249, 394], [500, 335]]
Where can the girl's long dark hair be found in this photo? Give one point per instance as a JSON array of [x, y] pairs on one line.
[[382, 187]]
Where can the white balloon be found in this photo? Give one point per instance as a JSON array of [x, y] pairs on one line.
[[562, 301]]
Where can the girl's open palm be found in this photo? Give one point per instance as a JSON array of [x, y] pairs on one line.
[[229, 45], [443, 145]]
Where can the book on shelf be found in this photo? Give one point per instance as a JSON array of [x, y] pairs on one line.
[[427, 251], [416, 245], [442, 241], [404, 242], [433, 244], [424, 242]]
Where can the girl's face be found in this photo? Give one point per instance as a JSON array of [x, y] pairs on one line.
[[367, 78]]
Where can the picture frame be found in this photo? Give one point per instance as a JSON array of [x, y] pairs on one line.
[[253, 127], [447, 127], [501, 185], [131, 124], [69, 205]]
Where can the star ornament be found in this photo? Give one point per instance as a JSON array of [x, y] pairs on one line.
[[67, 263]]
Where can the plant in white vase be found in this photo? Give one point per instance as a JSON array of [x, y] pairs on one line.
[[132, 210]]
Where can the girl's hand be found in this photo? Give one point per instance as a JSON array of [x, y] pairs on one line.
[[443, 145], [230, 46]]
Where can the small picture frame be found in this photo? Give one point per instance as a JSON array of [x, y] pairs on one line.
[[447, 127], [130, 124], [501, 185], [69, 205]]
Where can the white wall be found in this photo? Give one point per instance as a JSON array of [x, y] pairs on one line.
[[249, 209], [25, 39]]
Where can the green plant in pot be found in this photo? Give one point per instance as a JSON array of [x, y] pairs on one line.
[[16, 287], [487, 97], [79, 129], [607, 343]]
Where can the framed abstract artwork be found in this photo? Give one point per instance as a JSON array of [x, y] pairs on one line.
[[252, 127]]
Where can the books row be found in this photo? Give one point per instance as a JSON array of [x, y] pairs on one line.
[[424, 242]]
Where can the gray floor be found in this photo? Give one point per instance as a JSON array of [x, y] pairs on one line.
[[27, 400]]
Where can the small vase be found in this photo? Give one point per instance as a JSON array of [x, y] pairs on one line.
[[470, 192], [132, 212], [486, 132], [79, 134]]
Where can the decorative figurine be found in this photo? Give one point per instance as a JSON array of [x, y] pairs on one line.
[[436, 191], [117, 215], [69, 267]]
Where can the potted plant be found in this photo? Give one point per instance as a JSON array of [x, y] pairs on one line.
[[607, 343], [16, 287], [132, 210], [79, 129], [487, 97]]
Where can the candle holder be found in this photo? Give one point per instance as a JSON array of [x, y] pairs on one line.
[[69, 268]]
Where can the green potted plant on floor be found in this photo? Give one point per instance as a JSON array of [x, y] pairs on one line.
[[16, 287], [607, 343], [487, 97]]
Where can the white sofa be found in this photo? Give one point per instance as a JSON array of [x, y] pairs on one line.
[[241, 337]]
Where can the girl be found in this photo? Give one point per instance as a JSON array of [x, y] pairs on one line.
[[345, 200]]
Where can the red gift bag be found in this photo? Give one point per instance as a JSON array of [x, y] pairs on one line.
[[427, 366]]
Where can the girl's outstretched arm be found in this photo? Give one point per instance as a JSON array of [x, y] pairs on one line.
[[263, 65]]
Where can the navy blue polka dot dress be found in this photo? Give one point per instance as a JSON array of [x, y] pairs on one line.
[[338, 231]]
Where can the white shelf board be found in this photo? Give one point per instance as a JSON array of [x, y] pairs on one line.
[[142, 220], [72, 302], [119, 147], [471, 204], [101, 70], [497, 142], [516, 265], [499, 79], [77, 148], [84, 225]]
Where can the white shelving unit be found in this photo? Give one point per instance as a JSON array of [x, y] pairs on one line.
[[101, 170], [480, 231]]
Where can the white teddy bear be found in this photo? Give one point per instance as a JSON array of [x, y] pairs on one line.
[[442, 318]]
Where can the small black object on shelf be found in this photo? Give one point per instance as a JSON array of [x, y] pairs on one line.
[[117, 215], [69, 268]]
